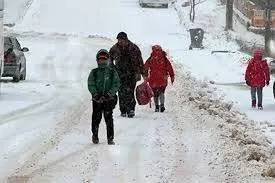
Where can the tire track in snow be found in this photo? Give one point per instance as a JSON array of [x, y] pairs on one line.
[[156, 148], [26, 111]]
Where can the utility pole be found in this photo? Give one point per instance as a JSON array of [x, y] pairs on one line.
[[229, 15], [268, 30]]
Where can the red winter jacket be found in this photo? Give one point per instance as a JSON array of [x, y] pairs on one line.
[[159, 68], [257, 72]]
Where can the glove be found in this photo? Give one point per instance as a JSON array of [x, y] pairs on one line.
[[172, 79], [267, 83], [102, 99], [98, 98], [108, 96], [247, 82]]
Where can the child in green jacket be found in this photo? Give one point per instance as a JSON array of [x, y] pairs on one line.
[[103, 84]]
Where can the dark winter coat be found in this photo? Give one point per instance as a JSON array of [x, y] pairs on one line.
[[128, 61], [103, 80], [158, 68], [257, 72]]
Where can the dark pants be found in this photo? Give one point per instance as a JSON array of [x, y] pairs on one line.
[[259, 92], [107, 110], [159, 96], [126, 94]]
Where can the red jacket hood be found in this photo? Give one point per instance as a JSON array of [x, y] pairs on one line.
[[258, 55]]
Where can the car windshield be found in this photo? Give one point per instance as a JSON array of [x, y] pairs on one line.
[[7, 43]]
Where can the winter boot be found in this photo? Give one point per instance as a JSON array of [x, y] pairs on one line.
[[260, 106], [95, 139], [253, 103], [123, 115], [131, 114], [162, 108], [111, 142], [157, 108]]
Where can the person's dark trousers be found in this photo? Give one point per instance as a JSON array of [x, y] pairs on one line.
[[106, 109], [259, 92], [126, 94], [159, 96]]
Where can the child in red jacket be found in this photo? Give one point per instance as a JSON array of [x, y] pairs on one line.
[[257, 76], [158, 68]]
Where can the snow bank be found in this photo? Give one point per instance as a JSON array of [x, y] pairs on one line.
[[225, 70], [246, 152]]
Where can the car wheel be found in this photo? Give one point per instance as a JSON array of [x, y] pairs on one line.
[[16, 78], [165, 5], [23, 75]]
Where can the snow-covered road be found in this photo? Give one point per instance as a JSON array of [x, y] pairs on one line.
[[55, 88], [150, 148], [41, 110], [45, 120]]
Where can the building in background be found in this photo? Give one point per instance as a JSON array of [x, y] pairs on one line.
[[254, 11]]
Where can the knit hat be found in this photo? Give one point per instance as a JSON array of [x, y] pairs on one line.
[[122, 35], [102, 54]]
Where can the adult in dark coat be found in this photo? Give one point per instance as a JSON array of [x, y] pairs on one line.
[[127, 59]]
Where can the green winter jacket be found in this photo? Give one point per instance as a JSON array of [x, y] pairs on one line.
[[103, 80]]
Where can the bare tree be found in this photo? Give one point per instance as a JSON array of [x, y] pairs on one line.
[[229, 15], [193, 4]]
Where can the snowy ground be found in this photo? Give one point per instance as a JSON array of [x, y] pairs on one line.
[[227, 70], [34, 107], [45, 121]]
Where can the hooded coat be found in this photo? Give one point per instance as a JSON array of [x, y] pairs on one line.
[[128, 61], [158, 68], [257, 72], [104, 79]]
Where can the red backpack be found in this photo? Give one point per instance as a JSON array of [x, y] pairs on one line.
[[144, 93]]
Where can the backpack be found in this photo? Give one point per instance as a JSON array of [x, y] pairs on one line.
[[144, 93]]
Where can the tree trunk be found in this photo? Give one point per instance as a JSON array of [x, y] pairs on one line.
[[268, 31], [229, 15], [192, 11]]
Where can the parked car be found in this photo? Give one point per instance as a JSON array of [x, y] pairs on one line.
[[14, 59], [272, 67], [153, 3]]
